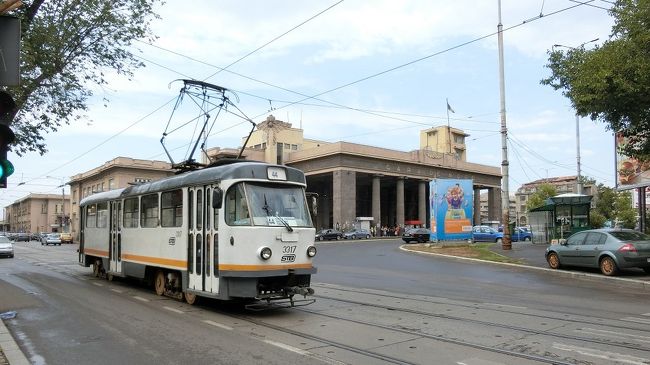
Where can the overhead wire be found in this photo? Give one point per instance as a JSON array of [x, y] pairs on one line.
[[324, 92]]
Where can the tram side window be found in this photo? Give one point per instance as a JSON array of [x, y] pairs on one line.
[[172, 208], [236, 207], [131, 213], [149, 211], [102, 215], [91, 216]]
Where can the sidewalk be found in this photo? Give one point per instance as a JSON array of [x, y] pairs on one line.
[[10, 353], [531, 254]]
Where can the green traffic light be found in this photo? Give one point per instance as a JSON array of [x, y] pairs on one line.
[[6, 169]]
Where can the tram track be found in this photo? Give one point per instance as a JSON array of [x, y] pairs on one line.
[[629, 346], [561, 316]]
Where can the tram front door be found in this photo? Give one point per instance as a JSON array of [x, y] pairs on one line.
[[202, 255]]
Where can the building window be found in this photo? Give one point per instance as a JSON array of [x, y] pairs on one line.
[[102, 186], [111, 184], [44, 208], [149, 211], [294, 147], [130, 213], [172, 208]]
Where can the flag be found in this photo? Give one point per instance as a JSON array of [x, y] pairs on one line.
[[449, 108]]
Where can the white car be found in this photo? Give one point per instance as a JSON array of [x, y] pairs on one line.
[[6, 247], [51, 239]]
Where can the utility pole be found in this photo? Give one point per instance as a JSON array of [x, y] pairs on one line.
[[579, 178], [505, 191], [61, 225]]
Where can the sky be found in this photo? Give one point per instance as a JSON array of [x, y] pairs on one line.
[[369, 72]]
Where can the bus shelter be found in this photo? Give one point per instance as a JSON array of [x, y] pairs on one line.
[[560, 217]]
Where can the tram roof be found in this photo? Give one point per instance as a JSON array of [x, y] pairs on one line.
[[208, 175]]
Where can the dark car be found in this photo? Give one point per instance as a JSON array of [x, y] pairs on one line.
[[329, 234], [417, 234], [356, 234], [23, 237], [607, 249]]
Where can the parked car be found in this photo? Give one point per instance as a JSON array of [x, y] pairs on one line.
[[520, 234], [329, 234], [417, 234], [356, 234], [51, 239], [66, 237], [6, 247], [486, 234], [607, 249], [23, 237]]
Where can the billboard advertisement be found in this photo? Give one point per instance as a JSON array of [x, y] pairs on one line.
[[630, 172], [451, 206]]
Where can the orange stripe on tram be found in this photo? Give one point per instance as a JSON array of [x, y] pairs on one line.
[[230, 267], [182, 264], [92, 251]]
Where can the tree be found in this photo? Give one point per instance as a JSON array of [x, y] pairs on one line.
[[596, 220], [68, 47], [611, 83], [538, 198], [625, 213], [605, 202]]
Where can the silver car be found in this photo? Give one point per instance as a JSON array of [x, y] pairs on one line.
[[51, 239], [607, 249], [6, 247]]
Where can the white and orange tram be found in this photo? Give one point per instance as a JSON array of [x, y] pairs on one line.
[[241, 230]]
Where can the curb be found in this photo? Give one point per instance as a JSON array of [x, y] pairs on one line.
[[633, 283], [12, 353]]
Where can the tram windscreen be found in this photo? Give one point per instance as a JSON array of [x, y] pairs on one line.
[[278, 205]]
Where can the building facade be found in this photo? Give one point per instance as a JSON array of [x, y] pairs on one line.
[[563, 185], [39, 213], [117, 173], [358, 182]]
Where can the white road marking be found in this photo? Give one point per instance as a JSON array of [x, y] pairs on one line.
[[646, 314], [287, 347], [117, 290], [605, 355], [140, 298], [98, 284], [636, 320], [174, 310], [505, 305], [222, 326], [594, 331]]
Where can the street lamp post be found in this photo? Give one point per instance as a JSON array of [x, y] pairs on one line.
[[579, 177]]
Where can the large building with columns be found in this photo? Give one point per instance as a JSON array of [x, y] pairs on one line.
[[358, 182]]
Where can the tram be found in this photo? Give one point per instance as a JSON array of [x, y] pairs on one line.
[[237, 231]]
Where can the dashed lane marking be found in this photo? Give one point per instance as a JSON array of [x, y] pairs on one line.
[[174, 310], [140, 298], [222, 326]]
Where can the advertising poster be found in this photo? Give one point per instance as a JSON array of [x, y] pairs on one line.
[[631, 173], [451, 206]]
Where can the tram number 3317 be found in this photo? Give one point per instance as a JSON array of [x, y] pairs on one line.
[[288, 254]]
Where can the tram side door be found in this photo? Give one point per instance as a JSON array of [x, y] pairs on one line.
[[212, 240], [115, 239], [198, 268]]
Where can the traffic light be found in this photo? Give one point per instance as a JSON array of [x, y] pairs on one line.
[[7, 136]]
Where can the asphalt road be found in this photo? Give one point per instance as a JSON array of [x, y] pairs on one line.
[[375, 304]]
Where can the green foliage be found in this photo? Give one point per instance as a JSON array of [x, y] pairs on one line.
[[611, 83], [538, 198], [625, 213], [596, 220], [605, 203], [68, 48]]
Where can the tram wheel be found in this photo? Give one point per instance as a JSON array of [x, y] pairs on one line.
[[190, 298], [159, 283]]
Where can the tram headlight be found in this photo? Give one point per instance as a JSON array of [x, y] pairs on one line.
[[265, 253], [311, 251]]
